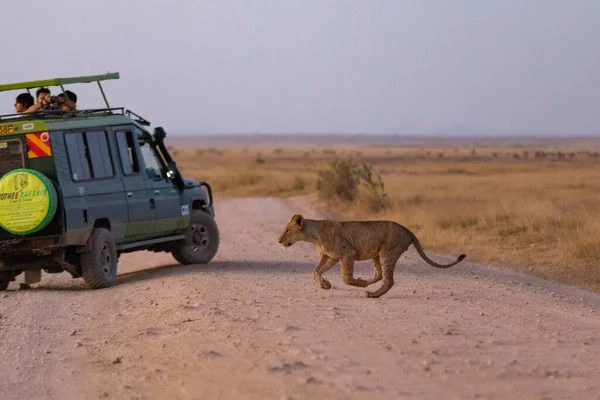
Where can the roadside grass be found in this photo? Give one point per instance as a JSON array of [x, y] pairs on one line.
[[535, 210]]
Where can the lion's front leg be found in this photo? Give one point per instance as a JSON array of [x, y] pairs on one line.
[[324, 265]]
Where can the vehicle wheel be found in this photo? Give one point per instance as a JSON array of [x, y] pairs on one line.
[[201, 240], [99, 261], [5, 277]]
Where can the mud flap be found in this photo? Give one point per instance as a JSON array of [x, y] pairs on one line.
[[33, 276]]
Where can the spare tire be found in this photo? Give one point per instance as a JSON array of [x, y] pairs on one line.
[[28, 201]]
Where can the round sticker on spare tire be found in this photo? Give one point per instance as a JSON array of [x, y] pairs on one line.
[[27, 201]]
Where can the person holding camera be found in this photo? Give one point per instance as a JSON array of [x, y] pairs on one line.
[[39, 95], [45, 101]]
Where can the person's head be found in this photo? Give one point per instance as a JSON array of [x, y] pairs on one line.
[[23, 102], [70, 96], [42, 93]]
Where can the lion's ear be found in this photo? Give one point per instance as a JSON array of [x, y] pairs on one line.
[[298, 219]]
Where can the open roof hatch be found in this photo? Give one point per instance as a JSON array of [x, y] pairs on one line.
[[62, 81]]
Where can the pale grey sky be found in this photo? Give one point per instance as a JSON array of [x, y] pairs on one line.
[[508, 67]]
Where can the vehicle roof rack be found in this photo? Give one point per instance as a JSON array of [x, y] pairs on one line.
[[59, 114], [87, 113], [140, 120], [62, 81]]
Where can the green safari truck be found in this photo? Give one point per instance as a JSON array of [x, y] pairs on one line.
[[78, 188]]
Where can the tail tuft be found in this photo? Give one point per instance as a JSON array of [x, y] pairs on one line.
[[461, 257]]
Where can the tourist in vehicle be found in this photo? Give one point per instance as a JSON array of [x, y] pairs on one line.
[[67, 100], [53, 103], [41, 93], [41, 96], [23, 102]]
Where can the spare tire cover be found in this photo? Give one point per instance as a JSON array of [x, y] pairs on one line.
[[28, 201]]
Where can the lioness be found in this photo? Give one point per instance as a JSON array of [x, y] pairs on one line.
[[349, 241]]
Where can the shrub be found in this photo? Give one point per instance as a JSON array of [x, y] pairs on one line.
[[351, 182], [374, 196], [339, 181], [299, 184]]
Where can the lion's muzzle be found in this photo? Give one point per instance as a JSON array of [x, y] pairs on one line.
[[283, 244]]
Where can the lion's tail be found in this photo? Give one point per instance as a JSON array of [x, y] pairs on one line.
[[429, 261]]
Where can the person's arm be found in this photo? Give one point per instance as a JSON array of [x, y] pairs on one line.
[[34, 108], [67, 102], [70, 104], [42, 103]]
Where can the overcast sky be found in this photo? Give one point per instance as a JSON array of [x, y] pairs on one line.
[[509, 67]]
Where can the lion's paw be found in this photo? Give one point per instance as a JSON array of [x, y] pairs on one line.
[[325, 285], [362, 282], [370, 295]]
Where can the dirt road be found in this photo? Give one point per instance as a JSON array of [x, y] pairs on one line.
[[252, 325]]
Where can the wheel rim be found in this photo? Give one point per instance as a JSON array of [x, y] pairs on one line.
[[106, 259], [200, 238]]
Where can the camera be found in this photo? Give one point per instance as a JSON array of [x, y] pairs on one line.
[[54, 101]]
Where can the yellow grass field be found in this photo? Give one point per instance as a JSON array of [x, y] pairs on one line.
[[533, 209]]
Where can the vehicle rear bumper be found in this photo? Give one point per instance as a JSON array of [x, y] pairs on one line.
[[40, 244]]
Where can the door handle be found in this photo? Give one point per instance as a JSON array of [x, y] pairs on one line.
[[156, 191], [129, 194], [152, 204]]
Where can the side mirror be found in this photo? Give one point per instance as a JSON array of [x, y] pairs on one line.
[[151, 172]]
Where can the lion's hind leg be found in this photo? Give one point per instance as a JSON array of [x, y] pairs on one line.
[[388, 263], [377, 275], [348, 273]]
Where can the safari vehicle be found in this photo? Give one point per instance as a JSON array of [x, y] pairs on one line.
[[79, 188]]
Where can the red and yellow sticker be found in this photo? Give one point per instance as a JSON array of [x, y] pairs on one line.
[[39, 144]]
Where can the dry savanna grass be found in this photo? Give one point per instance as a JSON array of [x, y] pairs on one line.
[[533, 209]]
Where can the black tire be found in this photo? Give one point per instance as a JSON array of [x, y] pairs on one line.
[[201, 241], [99, 260], [5, 277]]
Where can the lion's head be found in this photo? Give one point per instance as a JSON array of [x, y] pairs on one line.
[[292, 232]]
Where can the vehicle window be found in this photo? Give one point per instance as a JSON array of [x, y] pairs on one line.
[[78, 157], [11, 156], [127, 153], [153, 169], [89, 155], [100, 155]]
